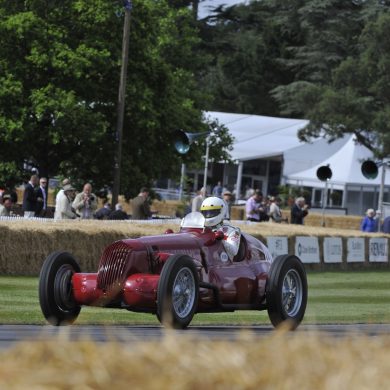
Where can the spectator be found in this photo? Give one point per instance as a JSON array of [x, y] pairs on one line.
[[61, 191], [41, 195], [103, 212], [254, 209], [299, 211], [64, 204], [249, 192], [29, 197], [235, 194], [369, 224], [386, 225], [140, 205], [198, 199], [217, 190], [228, 198], [118, 213], [6, 207], [274, 211], [85, 203]]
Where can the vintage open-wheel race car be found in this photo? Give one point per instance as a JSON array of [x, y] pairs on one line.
[[176, 275]]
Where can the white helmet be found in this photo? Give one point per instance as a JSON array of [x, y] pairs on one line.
[[213, 210]]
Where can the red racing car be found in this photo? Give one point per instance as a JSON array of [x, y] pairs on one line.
[[175, 275]]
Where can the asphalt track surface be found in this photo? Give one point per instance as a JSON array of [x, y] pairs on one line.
[[13, 334]]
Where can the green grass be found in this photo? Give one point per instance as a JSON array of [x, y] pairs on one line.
[[334, 297]]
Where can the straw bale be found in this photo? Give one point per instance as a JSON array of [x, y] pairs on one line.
[[281, 361], [26, 243]]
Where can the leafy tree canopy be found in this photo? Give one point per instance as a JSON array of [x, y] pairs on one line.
[[59, 73], [357, 100]]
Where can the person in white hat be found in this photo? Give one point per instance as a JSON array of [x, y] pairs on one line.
[[64, 204], [369, 223]]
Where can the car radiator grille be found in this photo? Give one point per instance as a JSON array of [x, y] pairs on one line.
[[113, 267]]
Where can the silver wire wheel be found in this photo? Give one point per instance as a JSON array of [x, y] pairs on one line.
[[286, 291], [292, 293], [183, 292], [177, 292]]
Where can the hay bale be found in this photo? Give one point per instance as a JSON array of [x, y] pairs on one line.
[[281, 361]]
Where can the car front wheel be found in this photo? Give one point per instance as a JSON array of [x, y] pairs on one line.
[[177, 292], [286, 291], [55, 289]]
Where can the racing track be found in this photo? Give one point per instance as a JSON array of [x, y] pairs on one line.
[[11, 334]]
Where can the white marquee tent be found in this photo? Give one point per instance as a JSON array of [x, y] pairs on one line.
[[261, 137], [345, 165]]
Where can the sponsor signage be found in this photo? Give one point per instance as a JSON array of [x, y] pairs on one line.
[[277, 246], [333, 250], [355, 249], [378, 250], [307, 249]]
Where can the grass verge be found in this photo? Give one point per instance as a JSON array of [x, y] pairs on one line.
[[334, 297]]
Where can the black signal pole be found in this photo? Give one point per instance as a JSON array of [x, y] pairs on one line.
[[121, 102]]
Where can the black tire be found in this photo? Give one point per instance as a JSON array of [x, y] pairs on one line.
[[55, 289], [177, 292], [286, 291]]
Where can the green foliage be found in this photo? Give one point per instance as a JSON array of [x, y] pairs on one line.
[[59, 77], [358, 96]]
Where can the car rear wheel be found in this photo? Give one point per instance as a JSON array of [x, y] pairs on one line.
[[55, 289], [286, 291], [177, 292]]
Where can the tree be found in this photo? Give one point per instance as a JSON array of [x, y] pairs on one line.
[[54, 63], [328, 31], [59, 73], [247, 46], [357, 100]]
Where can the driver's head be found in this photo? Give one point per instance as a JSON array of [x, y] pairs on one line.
[[213, 210]]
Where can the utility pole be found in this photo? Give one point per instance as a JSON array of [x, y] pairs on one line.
[[121, 102]]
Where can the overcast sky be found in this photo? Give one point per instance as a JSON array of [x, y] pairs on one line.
[[204, 6]]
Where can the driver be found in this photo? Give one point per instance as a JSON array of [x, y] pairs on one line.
[[214, 211]]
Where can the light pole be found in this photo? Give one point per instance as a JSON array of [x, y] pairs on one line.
[[121, 101], [324, 173], [182, 142], [206, 162]]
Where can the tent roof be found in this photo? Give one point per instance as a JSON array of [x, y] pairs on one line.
[[345, 165], [258, 136]]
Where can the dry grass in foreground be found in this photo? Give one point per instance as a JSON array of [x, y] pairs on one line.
[[282, 361]]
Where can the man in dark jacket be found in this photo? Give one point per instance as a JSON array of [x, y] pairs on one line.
[[41, 195], [30, 197], [118, 213], [299, 211]]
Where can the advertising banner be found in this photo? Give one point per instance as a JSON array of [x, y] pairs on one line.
[[307, 249], [333, 250], [356, 249], [277, 246], [378, 250]]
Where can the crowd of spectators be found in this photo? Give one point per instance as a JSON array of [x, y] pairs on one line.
[[70, 203], [371, 222], [258, 208]]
